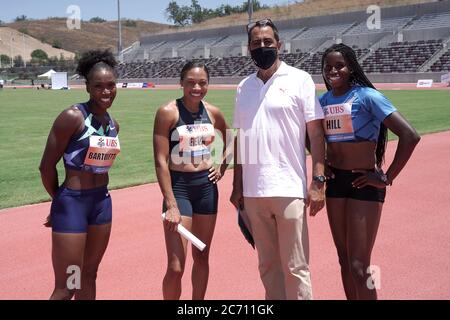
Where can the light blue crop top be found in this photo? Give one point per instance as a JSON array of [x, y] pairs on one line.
[[356, 115]]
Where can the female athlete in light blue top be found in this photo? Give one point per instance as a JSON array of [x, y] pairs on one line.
[[356, 120], [86, 137]]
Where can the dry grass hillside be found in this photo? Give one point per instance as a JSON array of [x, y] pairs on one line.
[[23, 45], [91, 35], [306, 9]]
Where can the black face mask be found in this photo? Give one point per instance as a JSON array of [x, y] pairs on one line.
[[264, 57]]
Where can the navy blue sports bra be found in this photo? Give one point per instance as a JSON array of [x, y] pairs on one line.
[[192, 134], [94, 149]]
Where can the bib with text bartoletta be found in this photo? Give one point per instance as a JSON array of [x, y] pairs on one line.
[[338, 124], [101, 153]]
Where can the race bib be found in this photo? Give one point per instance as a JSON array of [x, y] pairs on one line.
[[338, 124], [101, 153], [195, 138]]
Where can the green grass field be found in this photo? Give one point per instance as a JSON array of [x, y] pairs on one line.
[[27, 115]]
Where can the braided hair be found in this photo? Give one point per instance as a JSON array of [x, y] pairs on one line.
[[94, 60], [358, 77]]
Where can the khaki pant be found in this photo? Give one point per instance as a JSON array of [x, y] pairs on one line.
[[281, 238]]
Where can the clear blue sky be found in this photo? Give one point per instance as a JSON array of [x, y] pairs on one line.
[[150, 10]]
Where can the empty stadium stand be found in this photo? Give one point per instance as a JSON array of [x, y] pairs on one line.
[[407, 39], [401, 56], [443, 64]]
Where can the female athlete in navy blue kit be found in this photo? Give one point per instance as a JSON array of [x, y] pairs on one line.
[[183, 133], [356, 120], [86, 137]]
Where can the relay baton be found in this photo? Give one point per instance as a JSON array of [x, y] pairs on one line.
[[188, 235]]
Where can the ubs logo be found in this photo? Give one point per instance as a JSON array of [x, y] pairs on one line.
[[101, 143]]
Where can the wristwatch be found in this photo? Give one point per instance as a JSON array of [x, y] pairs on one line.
[[384, 178], [321, 179]]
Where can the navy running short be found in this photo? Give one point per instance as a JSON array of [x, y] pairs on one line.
[[72, 211], [194, 193], [341, 187]]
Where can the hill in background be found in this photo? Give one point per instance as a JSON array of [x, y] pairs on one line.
[[23, 45], [103, 35], [91, 35]]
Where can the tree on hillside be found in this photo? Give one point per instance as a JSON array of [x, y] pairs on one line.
[[179, 15], [21, 18], [130, 23], [24, 30], [197, 12], [5, 60], [97, 20], [18, 61], [57, 44], [184, 15], [53, 61], [256, 6], [39, 55]]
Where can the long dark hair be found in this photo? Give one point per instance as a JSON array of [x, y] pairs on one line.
[[358, 77]]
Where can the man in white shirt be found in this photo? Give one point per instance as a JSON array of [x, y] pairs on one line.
[[275, 107]]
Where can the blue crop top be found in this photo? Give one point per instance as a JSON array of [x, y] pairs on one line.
[[94, 149], [356, 115]]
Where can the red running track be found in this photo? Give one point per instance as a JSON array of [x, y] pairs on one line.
[[411, 250]]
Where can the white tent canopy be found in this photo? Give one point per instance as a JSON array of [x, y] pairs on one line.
[[48, 74]]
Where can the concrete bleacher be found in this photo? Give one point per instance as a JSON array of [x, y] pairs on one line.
[[430, 21], [324, 31], [201, 42], [385, 25], [409, 39], [236, 39], [289, 34]]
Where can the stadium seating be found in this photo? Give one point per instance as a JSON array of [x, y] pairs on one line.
[[396, 57], [401, 56], [443, 64], [421, 39]]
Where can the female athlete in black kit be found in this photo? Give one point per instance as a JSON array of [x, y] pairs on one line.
[[183, 132]]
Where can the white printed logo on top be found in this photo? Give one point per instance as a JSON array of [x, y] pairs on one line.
[[101, 153], [194, 139], [338, 124]]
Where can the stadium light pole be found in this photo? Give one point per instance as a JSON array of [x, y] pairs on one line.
[[11, 49], [24, 50], [250, 10], [119, 48]]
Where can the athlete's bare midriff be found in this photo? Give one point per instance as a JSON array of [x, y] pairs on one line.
[[191, 167], [351, 155], [82, 180]]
